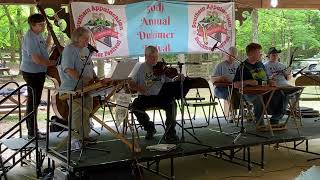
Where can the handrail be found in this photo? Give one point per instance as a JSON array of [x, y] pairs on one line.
[[14, 93], [10, 82], [11, 132]]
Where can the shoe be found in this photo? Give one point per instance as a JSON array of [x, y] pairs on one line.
[[41, 136], [172, 139], [90, 140], [274, 121], [75, 144], [276, 118], [230, 121], [150, 134]]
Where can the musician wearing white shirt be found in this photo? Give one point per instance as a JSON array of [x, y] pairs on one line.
[[275, 69], [224, 72]]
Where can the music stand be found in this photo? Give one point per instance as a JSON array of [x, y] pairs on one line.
[[84, 146], [182, 101], [242, 130]]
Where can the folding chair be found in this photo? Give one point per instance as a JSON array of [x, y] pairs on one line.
[[110, 106], [196, 99], [3, 169], [137, 125], [230, 91]]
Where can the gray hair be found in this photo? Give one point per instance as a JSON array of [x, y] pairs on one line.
[[78, 33], [150, 50], [233, 50]]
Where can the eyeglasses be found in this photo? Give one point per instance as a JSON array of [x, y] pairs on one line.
[[41, 24]]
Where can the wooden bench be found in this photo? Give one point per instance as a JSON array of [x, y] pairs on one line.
[[7, 77], [4, 70]]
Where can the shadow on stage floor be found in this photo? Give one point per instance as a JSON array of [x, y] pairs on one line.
[[213, 141]]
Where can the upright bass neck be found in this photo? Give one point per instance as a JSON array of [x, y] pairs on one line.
[[49, 27]]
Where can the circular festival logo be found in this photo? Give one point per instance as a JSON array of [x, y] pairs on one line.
[[106, 28], [210, 24]]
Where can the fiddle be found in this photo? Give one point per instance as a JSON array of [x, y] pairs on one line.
[[161, 68]]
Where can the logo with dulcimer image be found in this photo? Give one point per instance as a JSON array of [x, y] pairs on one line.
[[211, 23], [106, 27]]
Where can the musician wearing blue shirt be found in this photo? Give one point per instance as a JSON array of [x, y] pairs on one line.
[[35, 60], [275, 69], [72, 63], [224, 72]]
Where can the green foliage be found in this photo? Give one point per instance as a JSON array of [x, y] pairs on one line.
[[284, 29], [5, 41], [5, 25]]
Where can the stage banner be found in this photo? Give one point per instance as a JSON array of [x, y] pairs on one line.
[[171, 26]]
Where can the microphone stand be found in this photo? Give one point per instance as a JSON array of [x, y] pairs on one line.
[[242, 130], [84, 146]]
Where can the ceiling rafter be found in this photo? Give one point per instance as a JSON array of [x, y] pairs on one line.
[[305, 4]]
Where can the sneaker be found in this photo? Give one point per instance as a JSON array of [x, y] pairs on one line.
[[172, 139], [75, 144], [150, 134], [91, 124], [274, 121]]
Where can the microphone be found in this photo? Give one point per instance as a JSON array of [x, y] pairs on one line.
[[92, 49], [215, 46], [295, 74]]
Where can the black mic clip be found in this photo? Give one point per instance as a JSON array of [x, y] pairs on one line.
[[215, 46], [299, 72], [92, 49]]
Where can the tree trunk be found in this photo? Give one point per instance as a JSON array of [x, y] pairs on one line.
[[12, 30], [255, 25], [32, 10], [19, 32], [100, 67]]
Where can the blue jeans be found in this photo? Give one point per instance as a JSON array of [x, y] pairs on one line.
[[221, 92], [258, 107]]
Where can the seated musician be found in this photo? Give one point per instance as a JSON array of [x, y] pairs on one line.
[[155, 91], [69, 71], [254, 73], [224, 72], [275, 69]]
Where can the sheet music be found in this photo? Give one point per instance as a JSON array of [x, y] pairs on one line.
[[135, 70], [120, 70]]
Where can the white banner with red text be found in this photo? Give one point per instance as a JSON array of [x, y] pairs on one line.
[[171, 26]]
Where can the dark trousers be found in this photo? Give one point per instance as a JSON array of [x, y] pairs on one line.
[[143, 103], [36, 82], [165, 100]]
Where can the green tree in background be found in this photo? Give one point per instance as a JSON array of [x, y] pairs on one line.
[[284, 29]]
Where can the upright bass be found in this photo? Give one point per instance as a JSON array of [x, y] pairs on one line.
[[60, 107]]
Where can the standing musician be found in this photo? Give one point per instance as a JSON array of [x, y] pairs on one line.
[[155, 91], [254, 73], [70, 69], [35, 60], [224, 72], [275, 69]]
